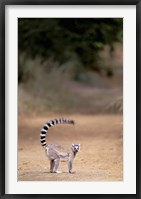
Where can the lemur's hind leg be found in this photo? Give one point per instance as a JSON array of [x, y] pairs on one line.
[[56, 165], [51, 165]]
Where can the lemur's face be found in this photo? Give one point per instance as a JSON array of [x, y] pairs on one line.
[[75, 147]]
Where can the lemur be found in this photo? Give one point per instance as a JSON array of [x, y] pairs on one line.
[[54, 155]]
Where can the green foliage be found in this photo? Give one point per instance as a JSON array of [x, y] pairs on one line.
[[62, 38]]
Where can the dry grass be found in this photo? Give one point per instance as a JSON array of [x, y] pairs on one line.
[[54, 93]]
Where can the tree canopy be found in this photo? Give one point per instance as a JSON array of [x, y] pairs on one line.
[[64, 39]]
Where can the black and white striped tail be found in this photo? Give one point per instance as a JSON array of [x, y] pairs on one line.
[[48, 125]]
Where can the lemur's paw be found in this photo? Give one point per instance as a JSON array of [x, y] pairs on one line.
[[55, 171], [58, 171], [72, 172]]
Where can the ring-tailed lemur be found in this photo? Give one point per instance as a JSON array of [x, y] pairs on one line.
[[54, 155]]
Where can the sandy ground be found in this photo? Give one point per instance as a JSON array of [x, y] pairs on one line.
[[100, 157]]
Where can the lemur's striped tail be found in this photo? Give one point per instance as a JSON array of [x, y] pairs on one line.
[[48, 125]]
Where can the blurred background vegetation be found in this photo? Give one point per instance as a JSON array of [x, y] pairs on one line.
[[70, 64]]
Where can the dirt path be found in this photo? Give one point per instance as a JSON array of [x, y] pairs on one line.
[[100, 157]]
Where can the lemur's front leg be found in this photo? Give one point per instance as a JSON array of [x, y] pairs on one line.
[[70, 166]]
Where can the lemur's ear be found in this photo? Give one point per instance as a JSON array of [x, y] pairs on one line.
[[72, 144], [79, 144]]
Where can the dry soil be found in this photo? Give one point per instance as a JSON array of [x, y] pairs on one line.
[[100, 157]]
